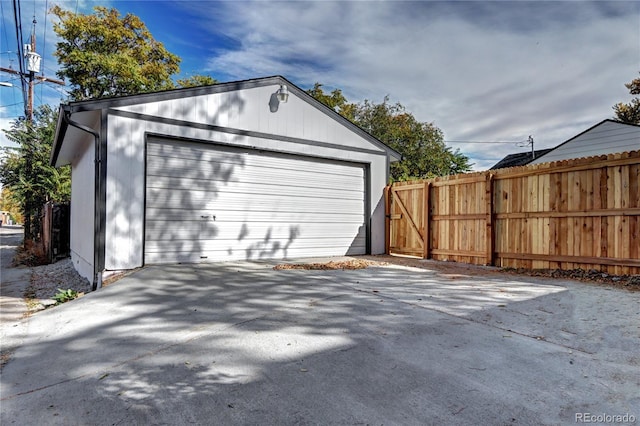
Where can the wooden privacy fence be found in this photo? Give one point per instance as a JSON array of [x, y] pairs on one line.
[[582, 213], [56, 230]]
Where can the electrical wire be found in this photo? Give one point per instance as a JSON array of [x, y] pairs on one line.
[[17, 15], [485, 142], [4, 27], [10, 105], [44, 42]]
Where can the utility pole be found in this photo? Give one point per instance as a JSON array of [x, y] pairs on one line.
[[33, 66], [533, 152]]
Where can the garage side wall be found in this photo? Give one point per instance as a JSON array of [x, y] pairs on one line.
[[296, 127], [82, 217]]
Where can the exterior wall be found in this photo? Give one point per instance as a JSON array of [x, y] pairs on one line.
[[249, 110], [610, 137], [247, 120], [82, 217]]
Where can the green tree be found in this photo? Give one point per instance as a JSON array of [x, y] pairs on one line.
[[105, 55], [630, 112], [422, 146], [334, 100], [9, 203], [196, 81], [26, 172]]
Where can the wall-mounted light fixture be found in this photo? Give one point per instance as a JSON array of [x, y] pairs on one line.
[[283, 94]]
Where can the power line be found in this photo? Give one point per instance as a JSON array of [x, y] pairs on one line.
[[4, 27], [486, 142], [17, 17], [10, 105], [44, 40]]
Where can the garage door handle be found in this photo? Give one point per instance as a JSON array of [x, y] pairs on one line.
[[207, 217]]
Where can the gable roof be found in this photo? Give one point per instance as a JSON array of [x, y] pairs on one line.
[[519, 159], [174, 94], [606, 137]]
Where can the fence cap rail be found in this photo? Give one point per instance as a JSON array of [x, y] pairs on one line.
[[576, 164]]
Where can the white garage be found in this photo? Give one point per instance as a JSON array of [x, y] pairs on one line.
[[233, 171], [205, 201]]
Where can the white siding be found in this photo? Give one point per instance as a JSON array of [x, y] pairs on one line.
[[208, 202], [82, 212], [610, 137], [319, 136], [249, 110]]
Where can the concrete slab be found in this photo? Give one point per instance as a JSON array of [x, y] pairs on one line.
[[13, 281], [240, 343]]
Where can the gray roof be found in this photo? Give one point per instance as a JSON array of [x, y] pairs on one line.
[[519, 159]]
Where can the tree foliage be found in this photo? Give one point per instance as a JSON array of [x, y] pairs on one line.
[[630, 112], [422, 146], [105, 55], [26, 172], [9, 203], [196, 81], [334, 100]]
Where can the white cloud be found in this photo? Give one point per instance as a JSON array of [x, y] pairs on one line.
[[488, 71], [480, 71]]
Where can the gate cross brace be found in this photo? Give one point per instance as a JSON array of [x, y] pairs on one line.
[[396, 197]]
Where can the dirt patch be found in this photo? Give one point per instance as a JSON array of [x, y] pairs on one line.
[[30, 254], [346, 264], [628, 282], [452, 270], [5, 357]]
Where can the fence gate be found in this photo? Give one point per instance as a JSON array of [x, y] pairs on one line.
[[407, 216]]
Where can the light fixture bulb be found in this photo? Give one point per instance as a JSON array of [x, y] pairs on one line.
[[283, 94]]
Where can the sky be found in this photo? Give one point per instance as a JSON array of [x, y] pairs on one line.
[[488, 74]]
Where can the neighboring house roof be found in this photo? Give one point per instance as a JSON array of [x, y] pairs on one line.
[[96, 105], [606, 137], [518, 159]]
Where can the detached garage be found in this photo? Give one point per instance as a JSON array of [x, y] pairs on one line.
[[249, 170]]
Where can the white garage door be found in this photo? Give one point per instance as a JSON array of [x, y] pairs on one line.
[[207, 202]]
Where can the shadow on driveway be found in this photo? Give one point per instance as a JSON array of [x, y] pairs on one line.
[[240, 343]]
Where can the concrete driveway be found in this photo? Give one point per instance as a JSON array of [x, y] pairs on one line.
[[244, 344]]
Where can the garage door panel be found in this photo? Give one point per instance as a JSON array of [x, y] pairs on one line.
[[256, 251], [200, 246], [265, 205], [203, 171], [231, 157], [158, 187], [239, 231], [249, 202], [164, 215]]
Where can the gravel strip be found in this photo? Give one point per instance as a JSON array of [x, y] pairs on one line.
[[47, 279]]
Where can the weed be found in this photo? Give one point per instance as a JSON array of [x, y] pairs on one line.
[[65, 295]]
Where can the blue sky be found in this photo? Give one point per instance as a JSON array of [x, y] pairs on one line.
[[480, 71]]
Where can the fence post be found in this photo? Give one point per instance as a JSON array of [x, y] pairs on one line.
[[490, 236], [387, 220], [46, 230], [427, 217]]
